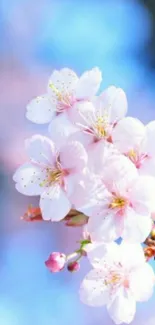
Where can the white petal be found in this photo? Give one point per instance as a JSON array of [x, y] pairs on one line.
[[142, 281], [88, 84], [105, 227], [82, 137], [41, 150], [142, 195], [54, 204], [98, 252], [123, 307], [28, 179], [69, 76], [103, 102], [93, 291], [60, 129], [150, 136], [62, 82], [73, 156], [86, 192], [40, 110], [119, 170], [131, 255], [119, 105], [78, 111], [148, 167], [128, 134], [136, 227], [98, 152], [114, 101], [86, 112]]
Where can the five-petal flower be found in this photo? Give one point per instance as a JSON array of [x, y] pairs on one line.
[[51, 174], [120, 277]]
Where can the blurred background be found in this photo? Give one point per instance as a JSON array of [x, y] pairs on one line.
[[36, 37]]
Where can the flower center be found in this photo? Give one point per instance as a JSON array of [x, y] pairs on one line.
[[118, 203], [100, 127], [64, 99], [52, 176], [137, 158], [116, 277]]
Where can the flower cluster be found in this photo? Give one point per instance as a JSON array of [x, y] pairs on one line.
[[96, 169]]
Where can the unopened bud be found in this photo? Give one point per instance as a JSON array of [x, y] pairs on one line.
[[73, 266], [56, 262]]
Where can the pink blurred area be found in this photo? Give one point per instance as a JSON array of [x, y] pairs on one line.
[[18, 86]]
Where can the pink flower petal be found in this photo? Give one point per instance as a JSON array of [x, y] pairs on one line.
[[73, 156], [88, 84], [142, 282], [123, 307], [128, 134], [93, 291], [41, 150], [54, 204], [40, 110]]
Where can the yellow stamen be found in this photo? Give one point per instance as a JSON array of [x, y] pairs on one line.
[[100, 127], [114, 278], [118, 202], [132, 154], [53, 176], [56, 91]]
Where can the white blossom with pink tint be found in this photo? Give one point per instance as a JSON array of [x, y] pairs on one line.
[[87, 192], [66, 93], [136, 141], [124, 205], [51, 174], [98, 122], [120, 278]]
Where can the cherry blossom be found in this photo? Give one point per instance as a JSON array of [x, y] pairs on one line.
[[51, 174], [136, 141], [66, 94], [98, 122], [120, 277], [108, 109], [87, 192], [124, 202]]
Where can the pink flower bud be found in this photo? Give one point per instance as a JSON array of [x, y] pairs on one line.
[[73, 266], [56, 262]]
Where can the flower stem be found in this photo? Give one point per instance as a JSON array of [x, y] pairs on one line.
[[72, 255]]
